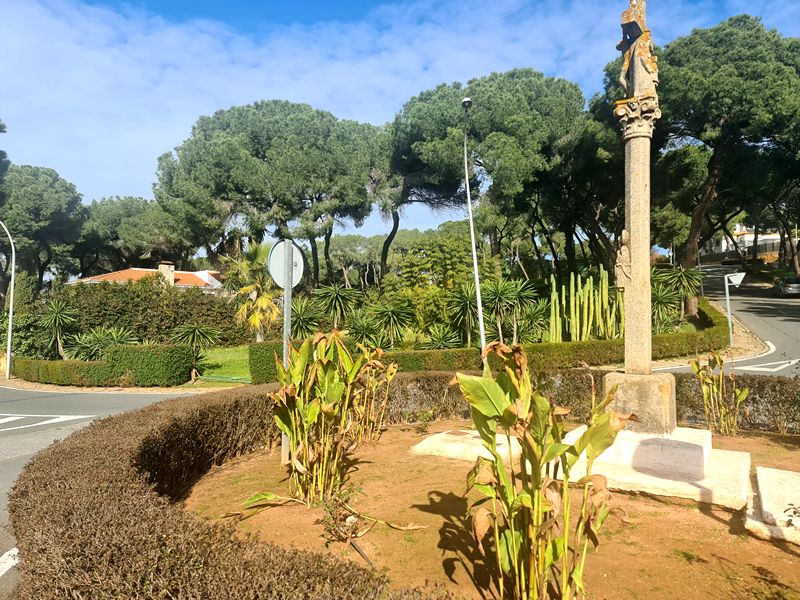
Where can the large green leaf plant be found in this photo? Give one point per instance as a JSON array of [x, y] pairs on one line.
[[525, 517]]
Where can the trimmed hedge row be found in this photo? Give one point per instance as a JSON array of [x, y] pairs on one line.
[[712, 335], [89, 522], [141, 365]]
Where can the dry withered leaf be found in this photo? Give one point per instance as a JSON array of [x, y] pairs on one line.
[[481, 523]]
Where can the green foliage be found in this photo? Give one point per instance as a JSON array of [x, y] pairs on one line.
[[337, 302], [462, 308], [441, 336], [45, 214], [94, 344], [392, 318], [306, 317], [150, 309], [664, 302], [140, 365], [58, 319], [362, 327], [720, 403], [64, 372], [30, 338], [262, 357], [152, 365], [527, 515], [328, 402], [198, 338]]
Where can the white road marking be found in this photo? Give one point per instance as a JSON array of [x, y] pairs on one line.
[[10, 419], [8, 560], [772, 367], [770, 350], [50, 420]]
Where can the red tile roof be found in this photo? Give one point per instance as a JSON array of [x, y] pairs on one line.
[[182, 278]]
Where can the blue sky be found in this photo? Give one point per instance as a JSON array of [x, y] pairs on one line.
[[98, 89]]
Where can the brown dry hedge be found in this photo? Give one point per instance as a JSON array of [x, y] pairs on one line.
[[90, 522]]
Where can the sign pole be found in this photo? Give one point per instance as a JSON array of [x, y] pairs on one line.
[[10, 299], [736, 280], [287, 326]]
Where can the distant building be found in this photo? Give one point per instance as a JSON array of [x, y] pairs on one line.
[[207, 281], [744, 236]]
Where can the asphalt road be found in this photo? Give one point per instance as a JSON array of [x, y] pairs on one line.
[[30, 421], [774, 320]]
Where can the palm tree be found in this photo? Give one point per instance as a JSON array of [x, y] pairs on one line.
[[393, 317], [198, 338], [57, 317], [306, 317], [337, 301], [462, 308], [685, 281], [247, 278]]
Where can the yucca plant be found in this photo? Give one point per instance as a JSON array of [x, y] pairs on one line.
[[539, 545], [721, 403], [462, 308], [441, 336], [664, 304], [58, 318], [337, 302], [361, 327], [499, 299], [328, 402], [535, 321], [686, 282], [198, 338], [306, 317], [392, 318]]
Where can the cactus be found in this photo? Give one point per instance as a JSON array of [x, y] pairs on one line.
[[585, 311]]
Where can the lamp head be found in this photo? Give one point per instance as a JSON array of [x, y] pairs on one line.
[[466, 103]]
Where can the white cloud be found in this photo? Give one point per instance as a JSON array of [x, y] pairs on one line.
[[98, 94]]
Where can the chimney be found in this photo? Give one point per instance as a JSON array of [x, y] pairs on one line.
[[167, 270]]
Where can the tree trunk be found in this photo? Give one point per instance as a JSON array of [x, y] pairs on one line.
[[787, 226], [539, 257], [707, 198], [494, 241], [326, 250], [387, 243], [756, 222], [312, 241], [569, 247]]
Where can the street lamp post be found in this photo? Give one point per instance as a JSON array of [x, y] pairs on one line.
[[466, 103], [10, 297]]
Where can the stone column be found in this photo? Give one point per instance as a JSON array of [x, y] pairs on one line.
[[637, 119]]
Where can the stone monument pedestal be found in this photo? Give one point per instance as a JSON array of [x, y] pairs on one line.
[[656, 457]]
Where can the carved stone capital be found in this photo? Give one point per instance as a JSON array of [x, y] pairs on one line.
[[637, 116]]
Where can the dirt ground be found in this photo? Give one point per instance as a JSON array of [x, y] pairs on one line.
[[670, 549]]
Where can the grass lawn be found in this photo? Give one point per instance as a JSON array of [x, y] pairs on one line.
[[227, 364]]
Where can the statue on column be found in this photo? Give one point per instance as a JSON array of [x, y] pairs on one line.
[[639, 74]]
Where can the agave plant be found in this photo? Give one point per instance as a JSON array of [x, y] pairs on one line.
[[198, 338], [392, 318], [306, 317], [441, 336], [337, 301]]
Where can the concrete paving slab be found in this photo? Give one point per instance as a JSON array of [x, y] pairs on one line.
[[462, 444], [755, 524], [777, 489]]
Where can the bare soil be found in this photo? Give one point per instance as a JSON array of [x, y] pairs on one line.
[[670, 549]]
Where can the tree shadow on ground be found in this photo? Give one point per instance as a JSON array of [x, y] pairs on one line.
[[760, 582], [457, 543]]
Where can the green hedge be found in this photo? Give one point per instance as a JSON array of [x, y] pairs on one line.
[[711, 335], [89, 521], [150, 365], [63, 372], [142, 366]]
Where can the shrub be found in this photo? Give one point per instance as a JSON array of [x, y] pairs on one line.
[[64, 372], [30, 338], [106, 533], [261, 356], [145, 365], [151, 310], [152, 365]]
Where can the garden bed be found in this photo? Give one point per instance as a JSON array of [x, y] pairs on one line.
[[705, 549]]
